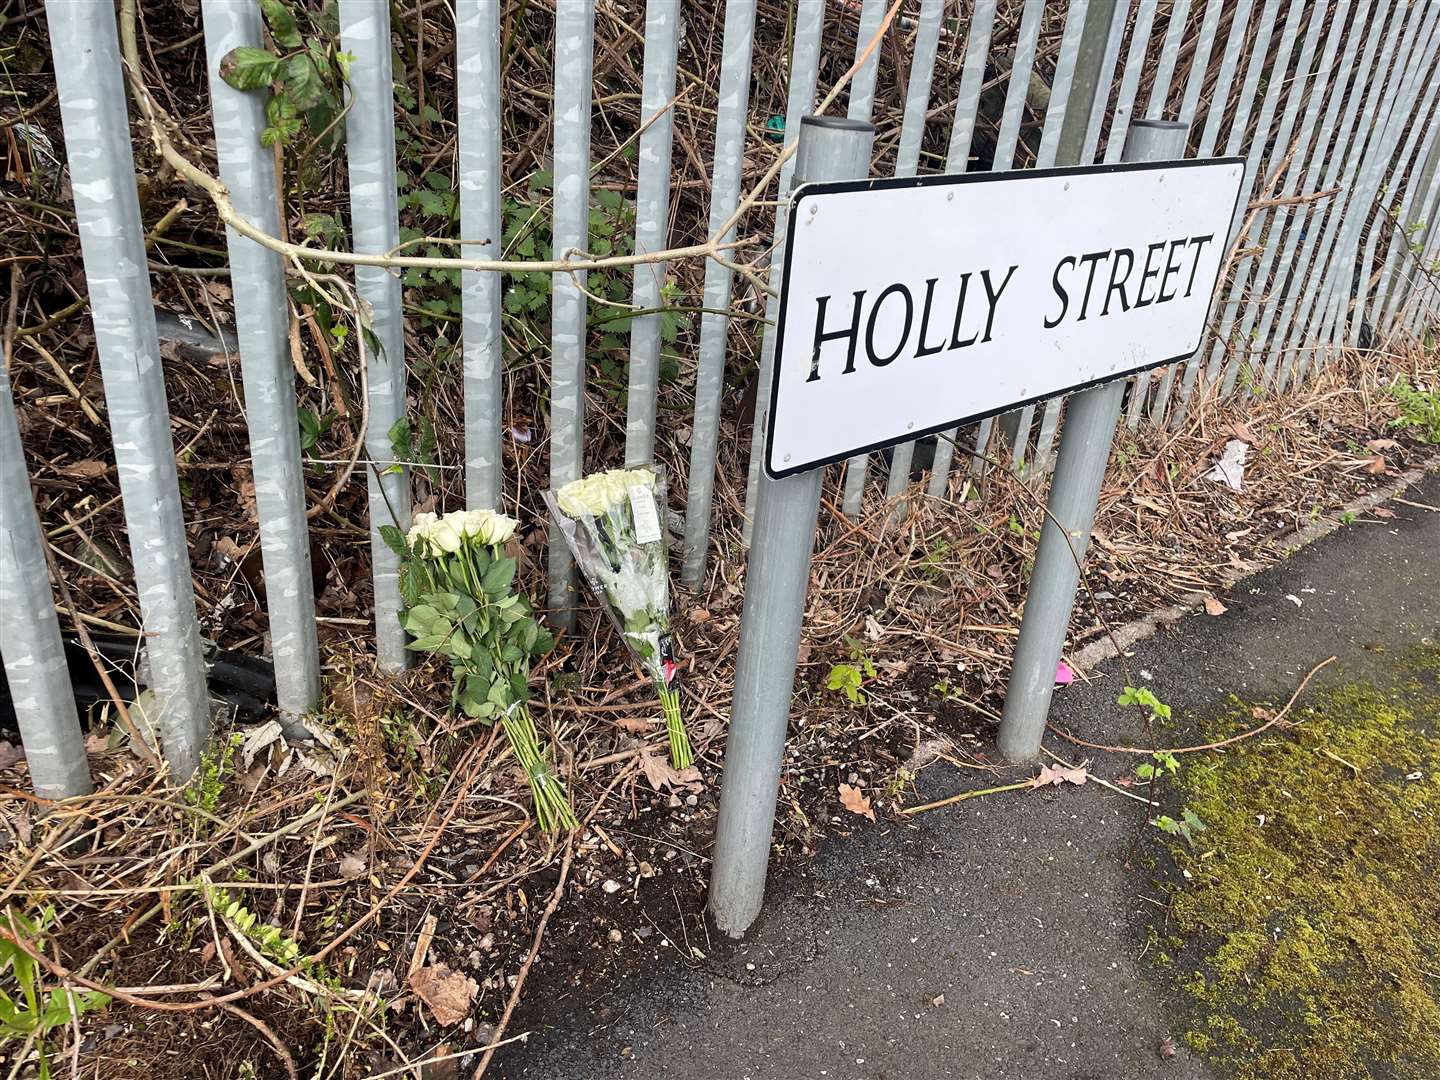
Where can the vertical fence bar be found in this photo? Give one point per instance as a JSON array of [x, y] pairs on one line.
[[1259, 143], [1418, 236], [775, 585], [957, 160], [34, 655], [1084, 453], [715, 327], [574, 62], [1391, 215], [1394, 60], [862, 102], [800, 100], [1169, 53], [1130, 80], [1409, 120], [478, 115], [261, 315], [1230, 61], [112, 239], [1396, 236], [1119, 19], [1275, 231], [652, 218], [375, 230], [1379, 151], [1337, 173], [1312, 153], [1007, 141], [907, 162], [1199, 67]]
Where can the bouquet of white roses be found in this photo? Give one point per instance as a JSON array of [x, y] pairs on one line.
[[458, 587], [611, 524]]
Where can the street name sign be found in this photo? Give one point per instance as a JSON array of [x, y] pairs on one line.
[[910, 306]]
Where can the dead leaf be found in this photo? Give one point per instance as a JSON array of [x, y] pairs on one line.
[[448, 993], [1375, 466], [1381, 444], [851, 799], [1214, 606], [10, 754], [699, 615], [1242, 431], [1051, 774], [633, 724], [1383, 512], [662, 774], [352, 867], [83, 470]]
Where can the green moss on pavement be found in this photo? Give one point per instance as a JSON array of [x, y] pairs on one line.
[[1310, 916]]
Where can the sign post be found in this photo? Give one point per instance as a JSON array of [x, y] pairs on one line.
[[1090, 419], [781, 544], [909, 306]]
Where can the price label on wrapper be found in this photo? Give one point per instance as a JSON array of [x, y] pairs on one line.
[[647, 519]]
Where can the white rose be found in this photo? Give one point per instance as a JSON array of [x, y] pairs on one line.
[[444, 535], [617, 489], [571, 499], [419, 531], [499, 529], [476, 524]]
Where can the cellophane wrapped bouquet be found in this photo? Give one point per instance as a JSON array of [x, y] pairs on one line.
[[458, 586], [611, 522]]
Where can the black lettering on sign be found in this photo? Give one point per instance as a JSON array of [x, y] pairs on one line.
[[1199, 242], [993, 295], [1119, 286], [850, 333], [955, 342], [921, 349], [898, 289], [1147, 274], [1171, 267], [1064, 296], [1093, 258]]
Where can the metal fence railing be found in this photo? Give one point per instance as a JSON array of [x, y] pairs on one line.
[[1332, 103]]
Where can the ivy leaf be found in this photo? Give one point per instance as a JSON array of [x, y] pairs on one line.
[[283, 27], [246, 68]]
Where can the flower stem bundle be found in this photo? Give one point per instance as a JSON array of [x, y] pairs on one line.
[[611, 523], [458, 587]]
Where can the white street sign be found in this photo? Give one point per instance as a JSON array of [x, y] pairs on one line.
[[910, 306]]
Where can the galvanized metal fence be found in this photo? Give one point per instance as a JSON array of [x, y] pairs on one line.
[[1333, 103]]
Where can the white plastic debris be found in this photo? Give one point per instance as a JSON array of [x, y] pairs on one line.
[[1230, 469]]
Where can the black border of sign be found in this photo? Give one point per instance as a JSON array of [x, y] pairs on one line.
[[946, 180]]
